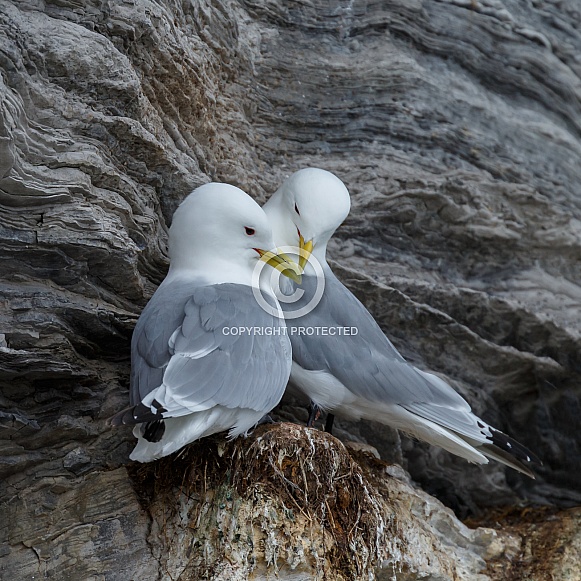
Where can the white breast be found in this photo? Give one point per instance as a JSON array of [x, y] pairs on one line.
[[324, 389]]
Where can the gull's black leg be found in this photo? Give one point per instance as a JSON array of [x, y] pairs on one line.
[[265, 420], [314, 414], [329, 423]]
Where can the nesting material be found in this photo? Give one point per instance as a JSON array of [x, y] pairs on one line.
[[293, 502]]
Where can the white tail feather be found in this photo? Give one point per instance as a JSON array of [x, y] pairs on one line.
[[183, 430]]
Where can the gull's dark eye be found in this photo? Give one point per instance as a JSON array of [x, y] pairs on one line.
[[250, 231], [297, 210]]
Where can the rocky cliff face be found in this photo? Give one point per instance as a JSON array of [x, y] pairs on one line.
[[455, 125]]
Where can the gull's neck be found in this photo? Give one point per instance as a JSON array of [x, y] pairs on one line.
[[283, 229], [320, 253], [221, 272], [214, 272]]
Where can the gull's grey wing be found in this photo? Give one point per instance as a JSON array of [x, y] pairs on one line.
[[150, 354], [370, 367], [366, 362], [184, 358]]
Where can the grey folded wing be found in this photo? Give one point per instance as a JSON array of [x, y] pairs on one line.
[[365, 361], [185, 357], [369, 366]]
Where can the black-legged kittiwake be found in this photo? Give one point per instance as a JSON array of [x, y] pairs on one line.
[[360, 375], [193, 373]]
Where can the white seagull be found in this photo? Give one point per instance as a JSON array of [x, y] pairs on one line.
[[362, 376], [191, 375]]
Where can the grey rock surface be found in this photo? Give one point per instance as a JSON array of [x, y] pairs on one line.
[[456, 126]]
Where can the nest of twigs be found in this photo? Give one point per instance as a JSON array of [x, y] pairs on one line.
[[308, 472]]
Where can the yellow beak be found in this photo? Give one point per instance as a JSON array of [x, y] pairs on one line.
[[282, 263], [307, 249]]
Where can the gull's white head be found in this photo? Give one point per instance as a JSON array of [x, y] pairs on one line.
[[220, 233], [307, 209]]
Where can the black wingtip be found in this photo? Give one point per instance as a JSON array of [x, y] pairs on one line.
[[508, 451], [514, 448], [154, 431], [505, 458], [137, 414], [124, 417]]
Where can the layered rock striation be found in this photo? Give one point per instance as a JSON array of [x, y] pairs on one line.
[[456, 127]]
